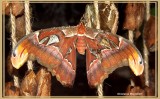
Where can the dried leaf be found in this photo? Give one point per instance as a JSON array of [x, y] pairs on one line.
[[29, 84], [20, 27], [43, 78], [10, 68], [149, 91], [135, 91], [11, 90], [17, 8], [150, 34], [90, 16], [108, 17], [134, 16], [5, 7]]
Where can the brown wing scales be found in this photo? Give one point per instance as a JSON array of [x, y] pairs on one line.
[[123, 53]]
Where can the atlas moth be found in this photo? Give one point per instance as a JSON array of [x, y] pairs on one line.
[[55, 48]]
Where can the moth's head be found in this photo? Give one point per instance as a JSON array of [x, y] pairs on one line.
[[136, 64], [19, 56], [81, 29]]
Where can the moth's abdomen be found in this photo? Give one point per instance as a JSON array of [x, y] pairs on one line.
[[81, 45]]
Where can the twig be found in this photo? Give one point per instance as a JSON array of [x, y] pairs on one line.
[[14, 41], [132, 82], [145, 50], [13, 29], [16, 81], [147, 11], [100, 90], [88, 15], [100, 87], [145, 53], [28, 29], [96, 14], [131, 38]]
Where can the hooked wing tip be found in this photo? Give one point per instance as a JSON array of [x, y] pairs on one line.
[[137, 68], [19, 57]]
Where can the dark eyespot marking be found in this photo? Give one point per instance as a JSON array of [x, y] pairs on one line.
[[14, 54], [140, 62]]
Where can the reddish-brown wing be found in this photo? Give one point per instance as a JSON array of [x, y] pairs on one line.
[[51, 49], [109, 52]]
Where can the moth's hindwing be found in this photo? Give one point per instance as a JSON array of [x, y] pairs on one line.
[[112, 52]]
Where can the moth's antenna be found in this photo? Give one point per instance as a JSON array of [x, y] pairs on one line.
[[83, 20]]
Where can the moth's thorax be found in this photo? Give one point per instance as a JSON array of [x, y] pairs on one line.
[[81, 30]]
